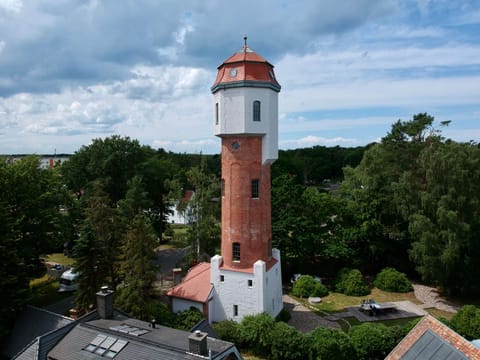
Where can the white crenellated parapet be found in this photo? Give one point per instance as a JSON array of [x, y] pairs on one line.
[[239, 293]]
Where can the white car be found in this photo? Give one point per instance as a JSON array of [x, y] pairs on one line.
[[68, 281]]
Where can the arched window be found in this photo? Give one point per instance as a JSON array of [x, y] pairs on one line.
[[256, 110], [236, 251]]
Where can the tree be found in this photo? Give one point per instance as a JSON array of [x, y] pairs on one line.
[[33, 197], [13, 279], [286, 207], [371, 192], [96, 252], [203, 214], [444, 215], [137, 268], [114, 160]]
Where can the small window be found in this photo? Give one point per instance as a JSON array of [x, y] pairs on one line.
[[235, 310], [250, 283], [256, 110], [222, 278], [216, 113], [236, 251], [255, 189]]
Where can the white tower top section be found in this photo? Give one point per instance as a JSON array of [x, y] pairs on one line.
[[246, 100]]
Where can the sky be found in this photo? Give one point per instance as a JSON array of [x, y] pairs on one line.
[[75, 70]]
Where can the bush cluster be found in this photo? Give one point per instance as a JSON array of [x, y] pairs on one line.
[[350, 282], [307, 286], [264, 337], [467, 322], [390, 279]]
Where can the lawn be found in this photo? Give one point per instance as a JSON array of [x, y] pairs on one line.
[[59, 258], [45, 291], [336, 302]]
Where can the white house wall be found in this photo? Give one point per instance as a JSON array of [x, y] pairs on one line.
[[265, 294]]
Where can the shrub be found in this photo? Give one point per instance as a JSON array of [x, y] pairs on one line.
[[187, 319], [330, 344], [467, 322], [287, 343], [160, 312], [307, 286], [372, 341], [255, 332], [390, 279], [350, 282], [228, 330]]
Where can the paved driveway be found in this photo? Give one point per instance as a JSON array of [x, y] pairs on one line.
[[303, 319]]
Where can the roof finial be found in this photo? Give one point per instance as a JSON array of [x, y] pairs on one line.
[[245, 40]]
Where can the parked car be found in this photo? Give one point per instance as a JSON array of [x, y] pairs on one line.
[[68, 281]]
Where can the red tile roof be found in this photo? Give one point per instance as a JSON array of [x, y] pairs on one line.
[[441, 330], [196, 286], [245, 68]]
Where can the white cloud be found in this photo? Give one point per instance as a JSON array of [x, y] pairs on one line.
[[13, 6]]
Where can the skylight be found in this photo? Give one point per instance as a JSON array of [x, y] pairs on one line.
[[107, 346], [131, 330]]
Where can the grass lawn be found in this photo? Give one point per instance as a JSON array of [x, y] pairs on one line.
[[336, 302], [45, 291], [59, 258], [440, 313]]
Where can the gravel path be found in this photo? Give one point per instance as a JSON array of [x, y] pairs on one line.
[[303, 319], [430, 298]]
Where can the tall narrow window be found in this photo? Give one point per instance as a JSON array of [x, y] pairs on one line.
[[256, 110], [255, 189], [223, 187], [235, 310], [216, 113], [236, 251]]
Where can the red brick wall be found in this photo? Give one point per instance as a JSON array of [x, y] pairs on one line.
[[245, 220]]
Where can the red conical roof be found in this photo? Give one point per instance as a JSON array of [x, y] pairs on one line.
[[245, 68]]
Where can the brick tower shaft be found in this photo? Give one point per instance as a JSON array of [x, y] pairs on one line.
[[246, 208]]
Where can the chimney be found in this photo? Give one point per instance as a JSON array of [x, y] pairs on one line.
[[197, 343], [105, 303], [177, 276]]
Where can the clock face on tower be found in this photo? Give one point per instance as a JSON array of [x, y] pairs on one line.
[[233, 72]]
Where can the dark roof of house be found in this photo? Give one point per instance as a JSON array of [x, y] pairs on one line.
[[430, 339], [39, 346], [143, 342], [29, 325]]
